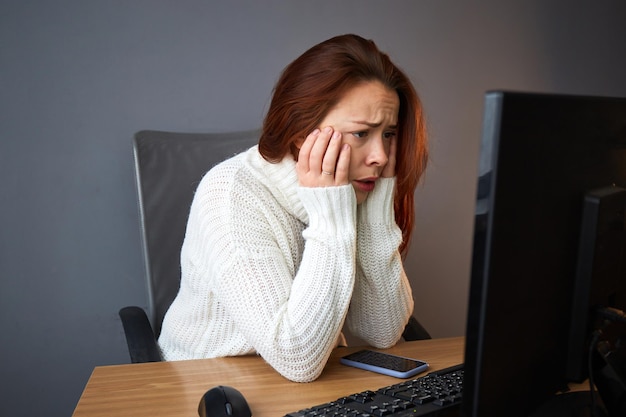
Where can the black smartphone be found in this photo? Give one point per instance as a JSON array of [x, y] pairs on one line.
[[385, 363]]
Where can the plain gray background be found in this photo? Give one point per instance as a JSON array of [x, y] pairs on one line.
[[78, 78]]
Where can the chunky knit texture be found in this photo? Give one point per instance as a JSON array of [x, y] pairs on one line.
[[272, 268]]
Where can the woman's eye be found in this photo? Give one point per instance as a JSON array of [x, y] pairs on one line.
[[365, 133]]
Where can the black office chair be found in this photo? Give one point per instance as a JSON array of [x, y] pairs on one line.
[[168, 168]]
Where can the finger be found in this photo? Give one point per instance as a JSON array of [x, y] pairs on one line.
[[305, 151], [318, 151], [342, 169], [390, 169], [332, 153]]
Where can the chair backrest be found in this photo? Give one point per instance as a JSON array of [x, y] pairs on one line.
[[168, 168]]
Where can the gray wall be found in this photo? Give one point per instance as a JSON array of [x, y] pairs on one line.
[[79, 77]]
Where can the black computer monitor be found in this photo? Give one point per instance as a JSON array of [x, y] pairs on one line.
[[542, 155]]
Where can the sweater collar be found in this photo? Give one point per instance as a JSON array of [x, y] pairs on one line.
[[280, 179]]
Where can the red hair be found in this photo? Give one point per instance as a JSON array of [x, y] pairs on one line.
[[310, 87]]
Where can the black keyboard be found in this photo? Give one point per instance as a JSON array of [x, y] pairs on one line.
[[437, 394]]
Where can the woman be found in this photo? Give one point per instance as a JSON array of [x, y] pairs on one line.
[[292, 238]]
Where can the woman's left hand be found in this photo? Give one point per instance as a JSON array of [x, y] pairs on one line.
[[389, 170]]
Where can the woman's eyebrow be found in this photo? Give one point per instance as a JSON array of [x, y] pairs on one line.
[[372, 124]]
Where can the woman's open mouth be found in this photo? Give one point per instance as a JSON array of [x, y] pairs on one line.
[[365, 185]]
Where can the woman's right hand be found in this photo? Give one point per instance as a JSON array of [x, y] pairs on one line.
[[323, 160]]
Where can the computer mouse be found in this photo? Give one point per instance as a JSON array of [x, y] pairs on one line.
[[223, 401]]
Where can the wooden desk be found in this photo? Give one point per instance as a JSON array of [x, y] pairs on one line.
[[175, 388]]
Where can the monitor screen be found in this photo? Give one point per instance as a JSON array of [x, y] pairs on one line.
[[541, 155]]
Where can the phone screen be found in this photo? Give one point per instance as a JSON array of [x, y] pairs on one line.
[[385, 363]]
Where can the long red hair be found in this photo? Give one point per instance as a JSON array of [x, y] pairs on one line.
[[310, 87]]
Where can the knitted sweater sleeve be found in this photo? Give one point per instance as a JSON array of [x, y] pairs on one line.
[[382, 301], [287, 297]]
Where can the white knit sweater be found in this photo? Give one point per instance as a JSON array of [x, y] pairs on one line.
[[273, 268]]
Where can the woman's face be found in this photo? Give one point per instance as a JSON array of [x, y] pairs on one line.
[[367, 117]]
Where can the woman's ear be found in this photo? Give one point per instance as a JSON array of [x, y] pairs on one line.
[[298, 143], [295, 148]]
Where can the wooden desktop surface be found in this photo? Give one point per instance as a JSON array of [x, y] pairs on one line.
[[175, 388]]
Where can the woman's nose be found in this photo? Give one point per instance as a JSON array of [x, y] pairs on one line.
[[377, 152]]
